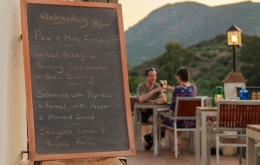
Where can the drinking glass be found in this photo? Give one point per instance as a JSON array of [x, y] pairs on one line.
[[163, 83], [209, 102]]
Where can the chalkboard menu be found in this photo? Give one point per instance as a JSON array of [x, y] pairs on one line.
[[76, 80]]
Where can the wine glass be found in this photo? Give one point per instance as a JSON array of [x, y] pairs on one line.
[[163, 83]]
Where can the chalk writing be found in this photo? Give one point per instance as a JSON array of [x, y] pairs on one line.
[[38, 36], [94, 95], [98, 67], [100, 25], [79, 106], [56, 133], [51, 77], [82, 131], [77, 95], [80, 77], [98, 107], [41, 94], [78, 116], [53, 117], [87, 38], [56, 146], [56, 68], [59, 19], [82, 57], [46, 54], [95, 39], [79, 67], [76, 67], [84, 142], [69, 38], [51, 106]]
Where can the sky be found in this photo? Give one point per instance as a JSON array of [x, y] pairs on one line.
[[136, 10]]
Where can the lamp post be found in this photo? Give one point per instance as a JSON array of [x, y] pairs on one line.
[[234, 39]]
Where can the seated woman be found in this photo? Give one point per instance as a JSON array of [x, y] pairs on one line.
[[185, 89]]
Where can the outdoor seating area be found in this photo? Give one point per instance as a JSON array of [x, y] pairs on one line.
[[225, 123], [130, 82]]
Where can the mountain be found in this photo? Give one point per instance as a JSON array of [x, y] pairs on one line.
[[187, 23]]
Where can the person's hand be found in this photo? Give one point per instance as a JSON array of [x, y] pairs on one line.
[[159, 88]]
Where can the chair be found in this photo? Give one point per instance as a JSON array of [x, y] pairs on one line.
[[133, 100], [234, 116], [185, 109]]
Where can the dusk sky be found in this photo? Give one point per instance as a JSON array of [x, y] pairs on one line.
[[136, 10]]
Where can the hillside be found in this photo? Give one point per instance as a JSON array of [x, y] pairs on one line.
[[212, 62], [187, 23]]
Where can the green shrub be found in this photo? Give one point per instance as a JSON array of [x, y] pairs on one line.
[[197, 59], [222, 48], [204, 69], [229, 50], [224, 60], [212, 55], [208, 54], [194, 64], [203, 54], [202, 43]]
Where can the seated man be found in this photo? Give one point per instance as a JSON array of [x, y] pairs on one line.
[[150, 91]]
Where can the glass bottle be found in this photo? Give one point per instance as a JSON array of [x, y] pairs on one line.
[[243, 93], [254, 96]]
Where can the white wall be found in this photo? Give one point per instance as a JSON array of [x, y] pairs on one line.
[[231, 90], [13, 138]]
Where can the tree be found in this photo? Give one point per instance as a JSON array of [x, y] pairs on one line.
[[133, 83], [250, 56], [174, 57]]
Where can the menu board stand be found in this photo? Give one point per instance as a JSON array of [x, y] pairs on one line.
[[76, 80]]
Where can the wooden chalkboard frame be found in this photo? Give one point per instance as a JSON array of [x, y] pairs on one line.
[[28, 84]]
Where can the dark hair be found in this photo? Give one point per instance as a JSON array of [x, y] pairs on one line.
[[183, 73], [148, 70]]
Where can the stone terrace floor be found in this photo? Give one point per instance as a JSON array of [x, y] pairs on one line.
[[167, 158]]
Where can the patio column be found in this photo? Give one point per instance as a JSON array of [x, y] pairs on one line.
[[231, 81]]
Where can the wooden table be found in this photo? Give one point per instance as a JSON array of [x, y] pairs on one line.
[[203, 113], [137, 114], [252, 134]]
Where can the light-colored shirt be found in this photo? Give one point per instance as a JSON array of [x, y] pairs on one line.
[[142, 90]]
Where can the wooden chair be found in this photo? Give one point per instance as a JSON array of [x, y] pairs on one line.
[[185, 109], [234, 116], [133, 100]]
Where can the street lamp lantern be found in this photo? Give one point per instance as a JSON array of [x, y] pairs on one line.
[[234, 38]]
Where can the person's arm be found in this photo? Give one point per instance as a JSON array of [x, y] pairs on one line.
[[169, 88], [161, 98], [173, 101], [144, 97]]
